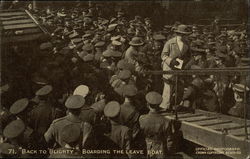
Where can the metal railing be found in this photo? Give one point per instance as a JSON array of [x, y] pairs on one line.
[[239, 71]]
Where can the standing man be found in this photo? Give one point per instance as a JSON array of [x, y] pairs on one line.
[[157, 129], [175, 49]]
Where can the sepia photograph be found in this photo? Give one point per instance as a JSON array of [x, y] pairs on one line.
[[125, 79]]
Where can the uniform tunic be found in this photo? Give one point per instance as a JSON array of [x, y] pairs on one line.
[[53, 134], [155, 129]]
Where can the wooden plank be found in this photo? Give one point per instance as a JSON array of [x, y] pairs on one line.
[[7, 14], [223, 126], [13, 18], [26, 31], [216, 122], [22, 38], [20, 26], [214, 139], [189, 115], [240, 131], [202, 119], [22, 21], [194, 118], [236, 127], [223, 116]]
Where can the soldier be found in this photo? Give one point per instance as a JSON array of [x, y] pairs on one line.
[[132, 52], [14, 132], [238, 108], [44, 113], [157, 129], [129, 116], [74, 104], [120, 134]]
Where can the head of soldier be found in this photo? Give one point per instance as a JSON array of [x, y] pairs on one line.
[[74, 104], [129, 92], [136, 43], [14, 132], [153, 99], [44, 93], [112, 110]]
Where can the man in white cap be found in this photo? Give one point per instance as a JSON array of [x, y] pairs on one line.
[[174, 54]]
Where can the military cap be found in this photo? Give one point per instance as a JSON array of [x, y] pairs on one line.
[[115, 37], [153, 98], [75, 102], [112, 109], [105, 21], [240, 87], [45, 90], [99, 106], [6, 147], [197, 51], [4, 88], [87, 47], [70, 133], [220, 54], [120, 13], [46, 46], [222, 36], [111, 27], [14, 129], [136, 41], [159, 37], [116, 54], [131, 31], [107, 53], [104, 65], [19, 106], [76, 40], [112, 20], [89, 15], [73, 35], [87, 35], [81, 90], [124, 74], [129, 90], [79, 46], [88, 57], [67, 34], [100, 44], [116, 43]]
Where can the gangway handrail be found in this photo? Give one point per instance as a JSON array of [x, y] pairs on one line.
[[226, 71], [243, 71]]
